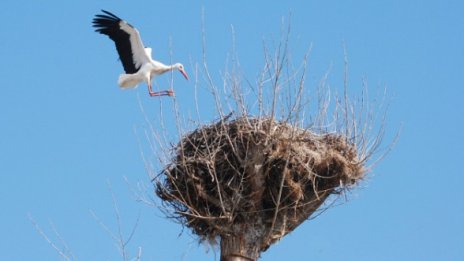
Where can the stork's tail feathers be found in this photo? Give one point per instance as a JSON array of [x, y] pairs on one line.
[[128, 80]]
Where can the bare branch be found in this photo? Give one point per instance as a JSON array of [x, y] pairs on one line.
[[118, 238], [50, 242]]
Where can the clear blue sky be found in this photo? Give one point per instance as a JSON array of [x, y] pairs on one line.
[[66, 128]]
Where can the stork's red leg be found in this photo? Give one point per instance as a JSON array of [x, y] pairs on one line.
[[169, 93], [150, 90], [160, 93]]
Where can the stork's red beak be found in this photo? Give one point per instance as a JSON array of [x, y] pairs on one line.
[[184, 74]]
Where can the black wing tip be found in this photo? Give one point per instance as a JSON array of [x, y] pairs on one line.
[[103, 21], [111, 14], [106, 17]]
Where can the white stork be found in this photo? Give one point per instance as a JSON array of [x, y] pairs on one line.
[[135, 57]]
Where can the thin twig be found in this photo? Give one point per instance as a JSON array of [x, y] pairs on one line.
[[49, 241]]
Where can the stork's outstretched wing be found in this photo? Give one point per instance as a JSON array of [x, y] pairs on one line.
[[127, 39]]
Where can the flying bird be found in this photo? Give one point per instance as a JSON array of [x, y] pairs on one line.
[[135, 57]]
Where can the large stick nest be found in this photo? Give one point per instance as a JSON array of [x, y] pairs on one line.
[[255, 175]]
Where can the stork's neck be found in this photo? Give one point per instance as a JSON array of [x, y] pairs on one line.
[[161, 68], [173, 66]]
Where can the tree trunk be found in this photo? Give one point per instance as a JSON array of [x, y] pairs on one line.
[[237, 248]]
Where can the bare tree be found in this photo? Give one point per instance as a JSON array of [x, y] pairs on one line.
[[276, 153]]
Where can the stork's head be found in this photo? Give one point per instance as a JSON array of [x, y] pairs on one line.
[[180, 67]]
